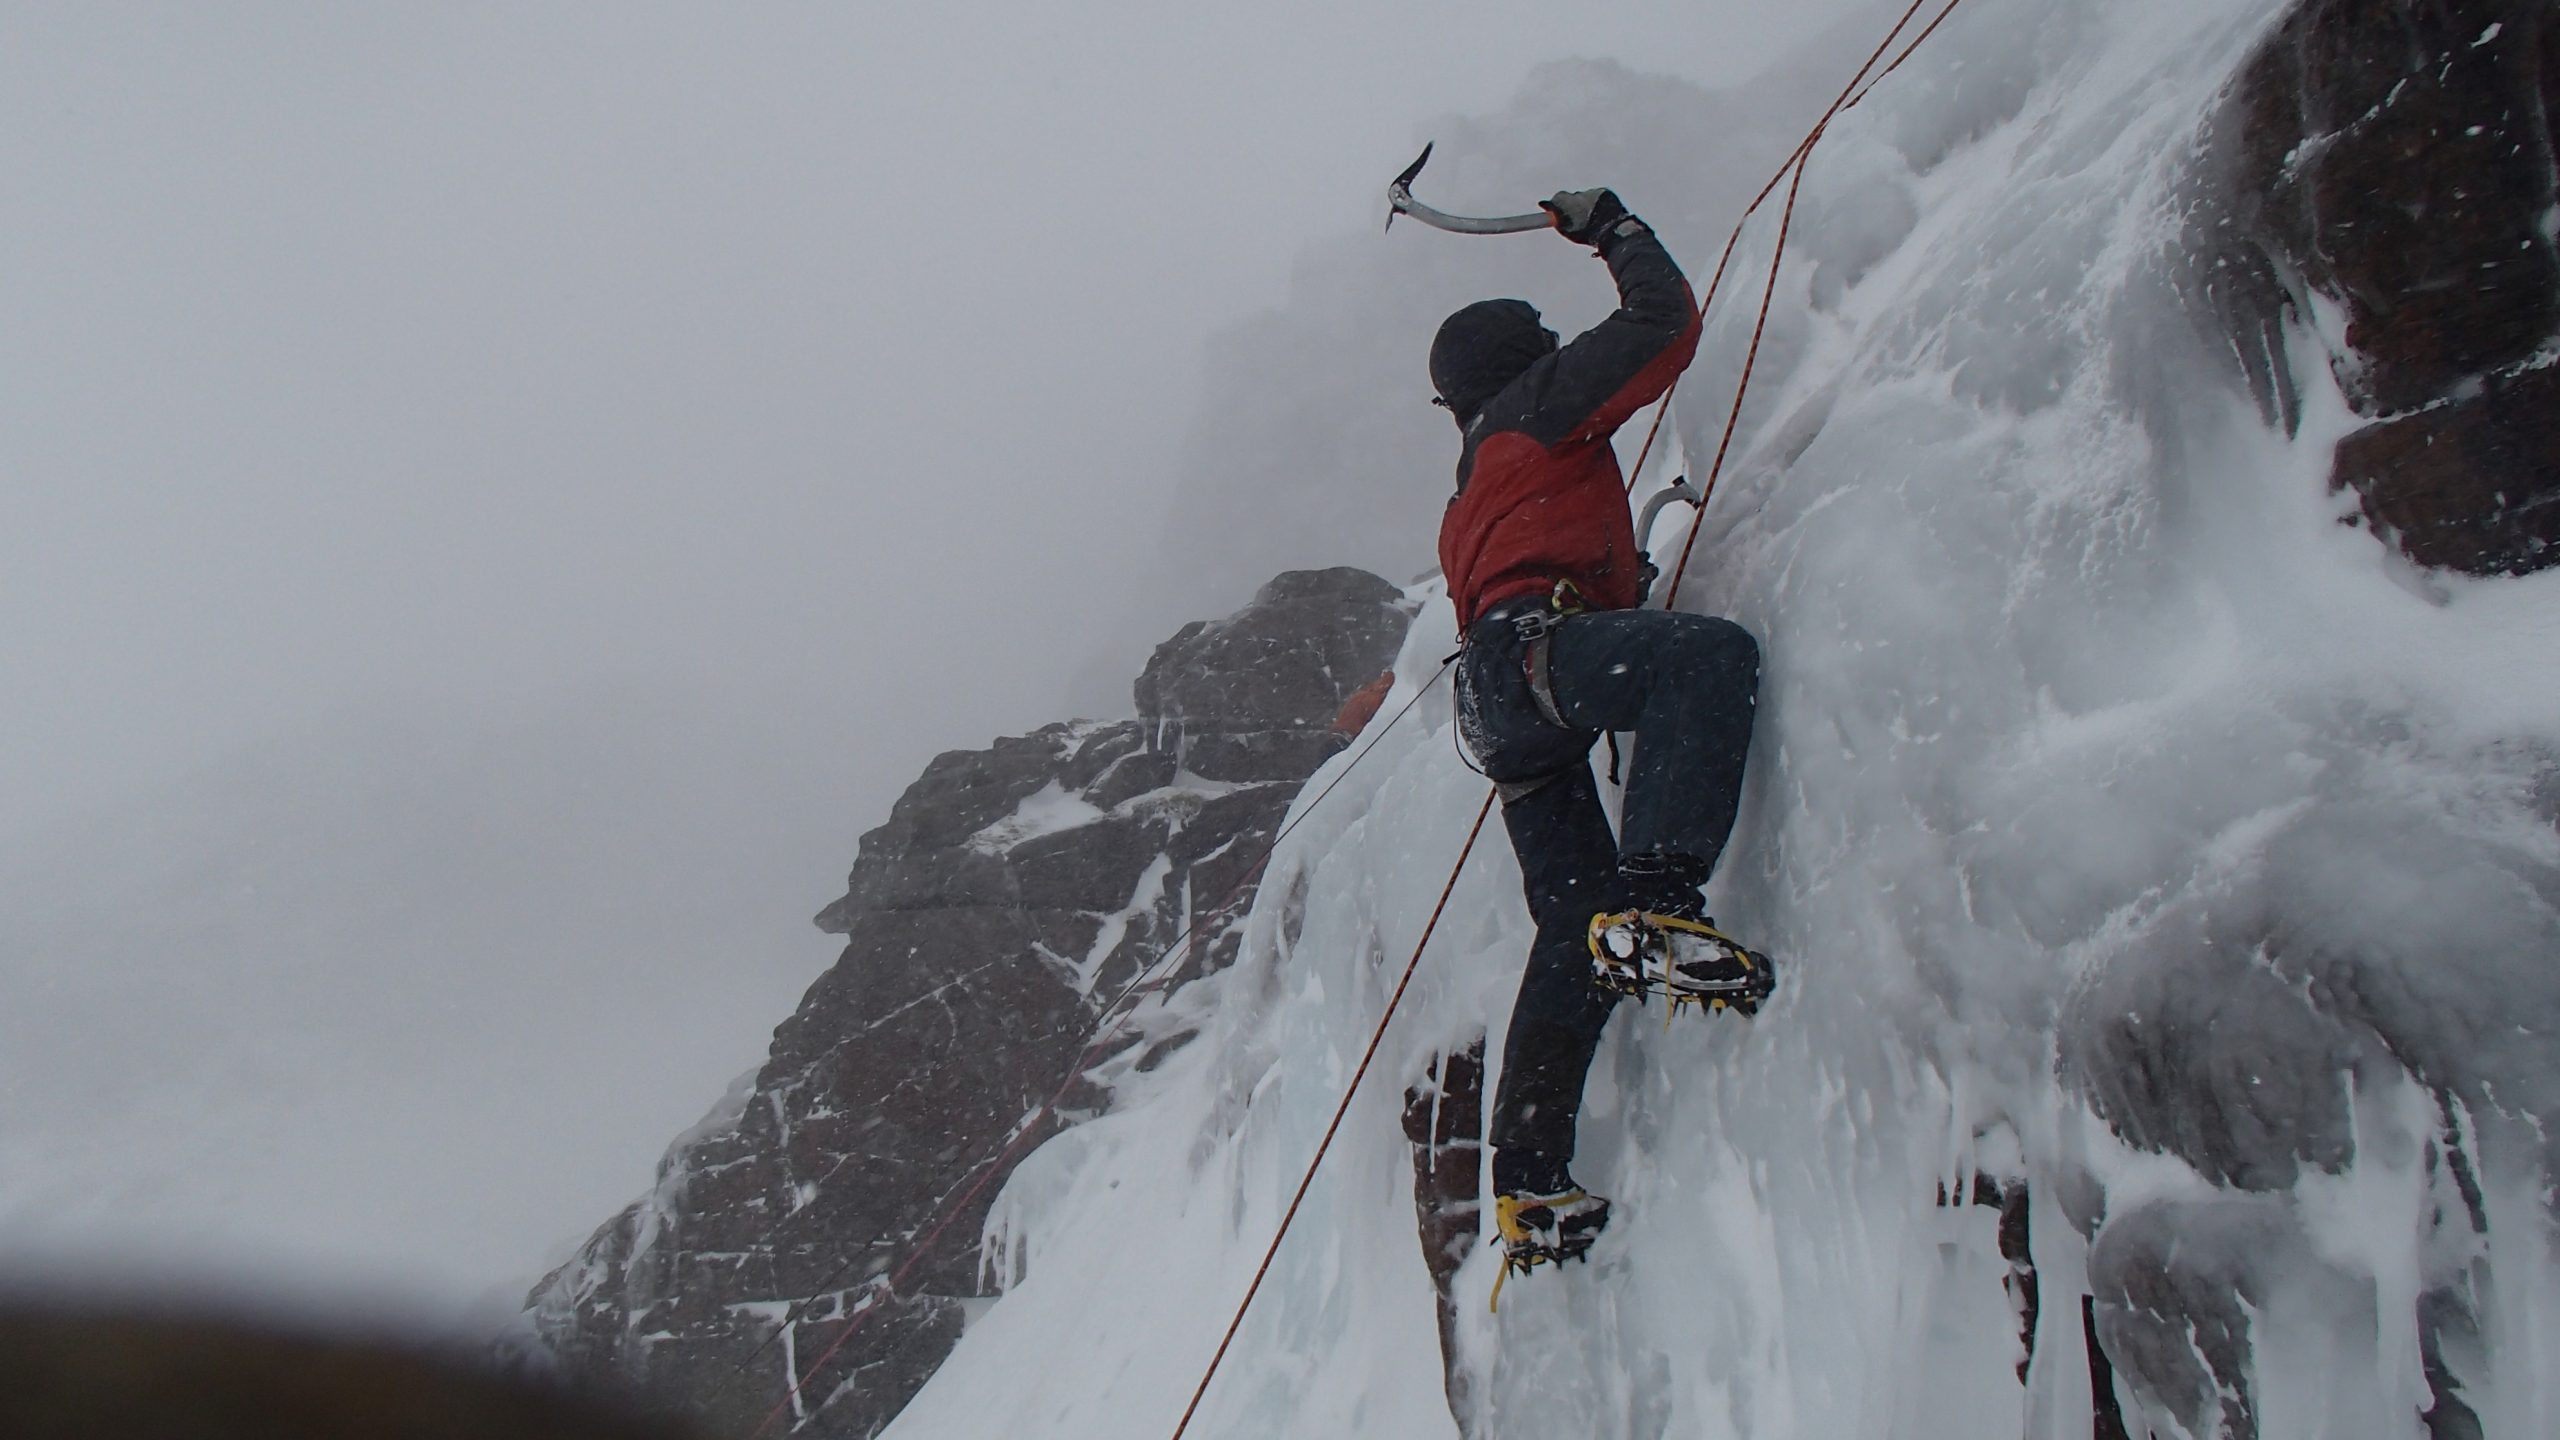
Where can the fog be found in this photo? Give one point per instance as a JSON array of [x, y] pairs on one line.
[[495, 499]]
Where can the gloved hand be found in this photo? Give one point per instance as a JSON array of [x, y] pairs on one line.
[[1585, 216]]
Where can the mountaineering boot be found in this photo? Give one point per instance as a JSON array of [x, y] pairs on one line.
[[1666, 882], [1646, 952], [1664, 944], [1540, 1229]]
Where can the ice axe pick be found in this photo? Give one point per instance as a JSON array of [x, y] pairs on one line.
[[1400, 201]]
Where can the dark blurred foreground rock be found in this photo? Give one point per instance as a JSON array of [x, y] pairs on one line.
[[1013, 892], [2390, 162], [94, 1375]]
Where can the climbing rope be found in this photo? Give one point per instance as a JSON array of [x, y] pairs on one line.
[[1860, 85], [1849, 96], [1845, 100], [1149, 978], [1290, 1216]]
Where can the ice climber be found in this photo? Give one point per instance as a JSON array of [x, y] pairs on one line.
[[1542, 565]]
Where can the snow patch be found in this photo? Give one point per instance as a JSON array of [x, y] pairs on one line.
[[1046, 811]]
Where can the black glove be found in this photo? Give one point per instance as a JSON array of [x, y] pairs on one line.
[[1587, 217]]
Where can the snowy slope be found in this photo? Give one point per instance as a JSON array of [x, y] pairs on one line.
[[2071, 678]]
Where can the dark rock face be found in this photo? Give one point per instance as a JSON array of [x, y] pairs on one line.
[[2377, 990], [2199, 1047], [1012, 894], [1444, 1120], [1253, 697], [2394, 159], [2381, 175], [2173, 1282]]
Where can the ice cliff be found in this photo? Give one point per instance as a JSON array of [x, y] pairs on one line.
[[2145, 503], [2145, 840]]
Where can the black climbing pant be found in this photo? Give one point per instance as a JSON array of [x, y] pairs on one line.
[[1686, 685]]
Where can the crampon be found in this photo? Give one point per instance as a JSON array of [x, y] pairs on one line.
[[1535, 1230], [1688, 962]]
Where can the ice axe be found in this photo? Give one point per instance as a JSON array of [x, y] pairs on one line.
[[1680, 490], [1400, 201], [1646, 570]]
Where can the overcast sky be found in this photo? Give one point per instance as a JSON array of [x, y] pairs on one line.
[[495, 498], [475, 350]]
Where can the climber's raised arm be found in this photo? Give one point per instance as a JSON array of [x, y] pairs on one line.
[[1625, 362]]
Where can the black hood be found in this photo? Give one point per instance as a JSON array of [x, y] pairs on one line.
[[1485, 347]]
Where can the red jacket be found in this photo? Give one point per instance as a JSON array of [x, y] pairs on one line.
[[1540, 496]]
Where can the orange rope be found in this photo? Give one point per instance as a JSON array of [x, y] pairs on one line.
[[1849, 99], [1750, 362], [1290, 1216], [1804, 147], [1915, 44], [1794, 162], [1850, 96]]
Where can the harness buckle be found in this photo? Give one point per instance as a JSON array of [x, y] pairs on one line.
[[1563, 602], [1534, 625]]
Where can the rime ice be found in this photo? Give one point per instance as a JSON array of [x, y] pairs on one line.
[[2123, 823]]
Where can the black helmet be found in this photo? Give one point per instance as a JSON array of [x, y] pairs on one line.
[[1484, 347]]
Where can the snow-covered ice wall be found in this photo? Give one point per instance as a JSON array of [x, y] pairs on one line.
[[2125, 824]]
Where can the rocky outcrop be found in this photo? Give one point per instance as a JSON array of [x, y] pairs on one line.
[[836, 1199], [2390, 162], [1444, 1122], [2379, 176]]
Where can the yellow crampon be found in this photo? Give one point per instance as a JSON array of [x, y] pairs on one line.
[[1526, 1247], [1626, 972]]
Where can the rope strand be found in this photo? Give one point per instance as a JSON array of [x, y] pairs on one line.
[[1724, 261], [1777, 258], [1733, 418], [1324, 1146], [1859, 87], [1849, 95]]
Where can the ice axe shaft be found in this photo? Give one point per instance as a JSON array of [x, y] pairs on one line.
[[1400, 201], [1680, 490]]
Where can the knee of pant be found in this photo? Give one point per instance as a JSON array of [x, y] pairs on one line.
[[1710, 645]]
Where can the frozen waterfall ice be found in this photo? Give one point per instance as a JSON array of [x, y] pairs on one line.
[[2128, 826]]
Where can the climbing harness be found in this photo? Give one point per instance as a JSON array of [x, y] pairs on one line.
[[1537, 629], [1533, 623], [1401, 201]]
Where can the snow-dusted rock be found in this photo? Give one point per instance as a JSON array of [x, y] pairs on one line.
[[2387, 170], [1011, 894]]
